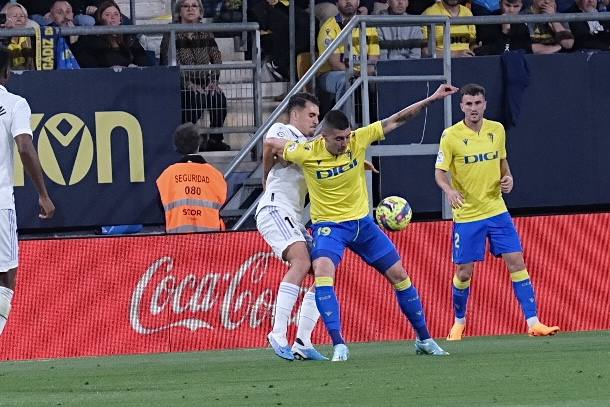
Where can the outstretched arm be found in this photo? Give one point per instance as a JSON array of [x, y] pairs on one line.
[[400, 118]]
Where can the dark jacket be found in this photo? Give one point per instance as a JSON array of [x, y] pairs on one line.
[[495, 42], [585, 39], [97, 52]]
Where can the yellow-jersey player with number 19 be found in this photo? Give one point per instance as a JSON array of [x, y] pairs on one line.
[[473, 151], [333, 166]]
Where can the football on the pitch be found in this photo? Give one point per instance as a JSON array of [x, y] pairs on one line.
[[393, 213]]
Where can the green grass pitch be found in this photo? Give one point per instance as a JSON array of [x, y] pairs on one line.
[[571, 369]]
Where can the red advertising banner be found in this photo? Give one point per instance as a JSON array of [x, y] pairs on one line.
[[125, 295]]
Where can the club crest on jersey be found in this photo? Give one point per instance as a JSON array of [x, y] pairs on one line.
[[324, 231], [292, 147]]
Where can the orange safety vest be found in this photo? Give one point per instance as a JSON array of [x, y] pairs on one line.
[[192, 194]]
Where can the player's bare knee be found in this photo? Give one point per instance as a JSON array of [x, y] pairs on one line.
[[323, 267], [300, 266], [396, 273], [514, 261], [464, 271]]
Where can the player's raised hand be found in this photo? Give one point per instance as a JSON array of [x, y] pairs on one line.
[[506, 184], [443, 91]]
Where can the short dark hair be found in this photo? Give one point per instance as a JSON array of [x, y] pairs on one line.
[[299, 100], [334, 120], [472, 89], [187, 138]]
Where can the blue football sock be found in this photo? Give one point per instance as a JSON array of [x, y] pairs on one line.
[[328, 305], [411, 306], [524, 291], [461, 291]]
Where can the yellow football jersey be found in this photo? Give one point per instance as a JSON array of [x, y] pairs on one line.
[[473, 159], [336, 184], [331, 29]]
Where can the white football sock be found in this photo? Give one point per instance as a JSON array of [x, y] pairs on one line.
[[286, 297], [6, 296], [308, 316], [532, 321]]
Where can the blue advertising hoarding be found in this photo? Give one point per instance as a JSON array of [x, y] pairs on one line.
[[103, 137]]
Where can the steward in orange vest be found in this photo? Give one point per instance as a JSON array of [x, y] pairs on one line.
[[192, 191]]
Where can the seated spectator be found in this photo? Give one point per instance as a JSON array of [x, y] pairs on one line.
[[332, 76], [272, 15], [548, 38], [200, 90], [462, 36], [589, 35], [40, 9], [21, 49], [494, 39], [192, 191], [105, 51], [400, 42]]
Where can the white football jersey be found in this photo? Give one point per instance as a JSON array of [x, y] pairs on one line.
[[14, 120], [285, 183]]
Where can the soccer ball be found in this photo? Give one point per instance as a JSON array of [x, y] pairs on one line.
[[393, 213]]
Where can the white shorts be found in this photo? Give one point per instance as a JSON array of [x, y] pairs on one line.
[[9, 248], [280, 230]]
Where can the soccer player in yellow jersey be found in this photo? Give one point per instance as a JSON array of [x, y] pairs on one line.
[[333, 166], [474, 152]]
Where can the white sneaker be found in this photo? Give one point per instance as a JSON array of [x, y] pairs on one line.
[[429, 347], [341, 353]]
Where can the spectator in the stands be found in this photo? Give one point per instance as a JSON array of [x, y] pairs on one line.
[[399, 42], [589, 35], [549, 38], [463, 37], [104, 51], [40, 11], [272, 16], [200, 90], [494, 39], [332, 75], [21, 49]]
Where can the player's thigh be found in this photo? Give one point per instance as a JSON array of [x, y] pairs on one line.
[[9, 247], [330, 240], [280, 230], [503, 236], [374, 246], [469, 241]]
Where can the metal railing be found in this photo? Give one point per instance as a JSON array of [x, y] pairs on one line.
[[364, 79], [249, 28]]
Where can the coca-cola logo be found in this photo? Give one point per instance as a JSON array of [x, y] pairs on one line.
[[164, 299]]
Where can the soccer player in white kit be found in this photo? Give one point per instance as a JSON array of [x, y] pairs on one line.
[[15, 128], [279, 219]]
